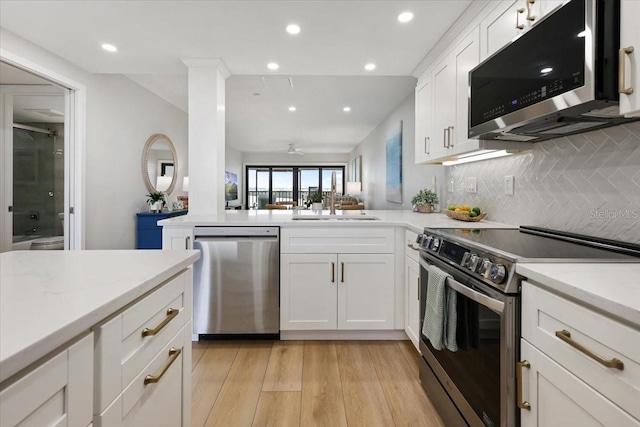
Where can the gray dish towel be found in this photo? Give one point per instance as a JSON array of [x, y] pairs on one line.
[[440, 318]]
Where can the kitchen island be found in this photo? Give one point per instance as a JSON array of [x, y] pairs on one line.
[[72, 331]]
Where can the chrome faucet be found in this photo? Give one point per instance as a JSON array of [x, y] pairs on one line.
[[332, 198]]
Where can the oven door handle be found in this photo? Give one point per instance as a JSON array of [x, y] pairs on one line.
[[493, 304]]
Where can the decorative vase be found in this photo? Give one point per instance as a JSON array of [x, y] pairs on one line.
[[425, 208], [316, 206], [155, 207]]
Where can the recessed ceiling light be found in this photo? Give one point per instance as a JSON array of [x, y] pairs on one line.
[[546, 70], [109, 47], [293, 29], [370, 67], [292, 108], [272, 66], [405, 17], [346, 109]]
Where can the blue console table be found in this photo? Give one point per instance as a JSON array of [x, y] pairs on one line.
[[149, 234]]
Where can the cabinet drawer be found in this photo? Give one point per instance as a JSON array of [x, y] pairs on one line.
[[337, 240], [544, 314], [57, 393], [129, 341], [411, 247], [159, 403]]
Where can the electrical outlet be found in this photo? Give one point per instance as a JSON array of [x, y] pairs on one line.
[[451, 186], [472, 185], [509, 184]]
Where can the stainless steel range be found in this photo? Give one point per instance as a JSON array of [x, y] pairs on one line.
[[475, 385]]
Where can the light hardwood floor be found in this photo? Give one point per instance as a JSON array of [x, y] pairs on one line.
[[310, 383]]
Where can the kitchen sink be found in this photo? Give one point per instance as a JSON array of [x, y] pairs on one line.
[[338, 216]]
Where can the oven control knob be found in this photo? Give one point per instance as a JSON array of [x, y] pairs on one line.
[[465, 259], [426, 241], [483, 268], [473, 262], [497, 273], [419, 239], [436, 244]]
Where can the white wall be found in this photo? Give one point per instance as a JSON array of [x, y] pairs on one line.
[[121, 115], [373, 151]]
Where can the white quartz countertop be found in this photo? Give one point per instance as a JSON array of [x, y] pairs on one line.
[[49, 297], [610, 288], [404, 218]]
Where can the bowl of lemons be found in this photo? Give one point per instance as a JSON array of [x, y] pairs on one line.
[[465, 213]]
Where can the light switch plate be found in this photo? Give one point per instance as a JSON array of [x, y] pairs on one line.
[[451, 187], [509, 184], [472, 184]]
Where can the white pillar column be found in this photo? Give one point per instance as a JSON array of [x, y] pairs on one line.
[[206, 134]]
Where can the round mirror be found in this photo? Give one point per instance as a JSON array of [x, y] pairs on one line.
[[159, 164]]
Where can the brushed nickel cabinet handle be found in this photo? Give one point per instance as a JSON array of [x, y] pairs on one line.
[[621, 70], [519, 26], [173, 355], [530, 17], [450, 131], [426, 144], [419, 289], [333, 272], [565, 336], [444, 138], [342, 278], [521, 404], [171, 313], [187, 240]]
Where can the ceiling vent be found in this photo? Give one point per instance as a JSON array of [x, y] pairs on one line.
[[278, 82]]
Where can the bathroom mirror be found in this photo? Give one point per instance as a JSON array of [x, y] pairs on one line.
[[159, 164]]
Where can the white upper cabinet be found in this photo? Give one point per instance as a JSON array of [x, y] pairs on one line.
[[510, 19], [444, 79], [630, 49], [466, 57], [424, 118]]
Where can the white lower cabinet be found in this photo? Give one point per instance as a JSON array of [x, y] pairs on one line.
[[336, 291], [155, 396], [579, 367], [558, 398], [58, 393], [412, 301]]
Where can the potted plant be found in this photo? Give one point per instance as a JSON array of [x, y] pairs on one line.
[[315, 201], [155, 200], [424, 200]]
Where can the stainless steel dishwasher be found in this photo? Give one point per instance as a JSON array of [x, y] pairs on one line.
[[236, 281]]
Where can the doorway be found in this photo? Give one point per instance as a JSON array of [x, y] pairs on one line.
[[37, 178]]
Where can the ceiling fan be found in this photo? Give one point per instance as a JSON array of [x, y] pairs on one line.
[[293, 150]]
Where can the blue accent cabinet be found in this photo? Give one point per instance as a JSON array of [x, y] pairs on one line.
[[149, 233]]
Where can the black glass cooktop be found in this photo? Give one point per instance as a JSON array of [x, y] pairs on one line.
[[526, 244]]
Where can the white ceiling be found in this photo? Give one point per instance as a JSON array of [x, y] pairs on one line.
[[338, 37]]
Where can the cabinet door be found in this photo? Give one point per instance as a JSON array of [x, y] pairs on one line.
[[444, 79], [365, 291], [500, 26], [466, 56], [308, 291], [558, 398], [177, 238], [57, 393], [424, 120], [630, 37], [412, 301]]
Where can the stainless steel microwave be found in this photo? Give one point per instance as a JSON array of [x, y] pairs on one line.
[[559, 78]]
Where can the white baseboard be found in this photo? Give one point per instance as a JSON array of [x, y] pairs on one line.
[[392, 335]]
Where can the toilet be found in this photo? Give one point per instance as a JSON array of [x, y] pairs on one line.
[[49, 243]]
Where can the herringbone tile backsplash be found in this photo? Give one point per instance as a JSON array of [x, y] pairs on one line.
[[587, 183]]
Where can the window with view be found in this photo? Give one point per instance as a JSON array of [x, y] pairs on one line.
[[272, 184]]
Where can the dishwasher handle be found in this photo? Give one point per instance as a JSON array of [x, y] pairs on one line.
[[236, 239]]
